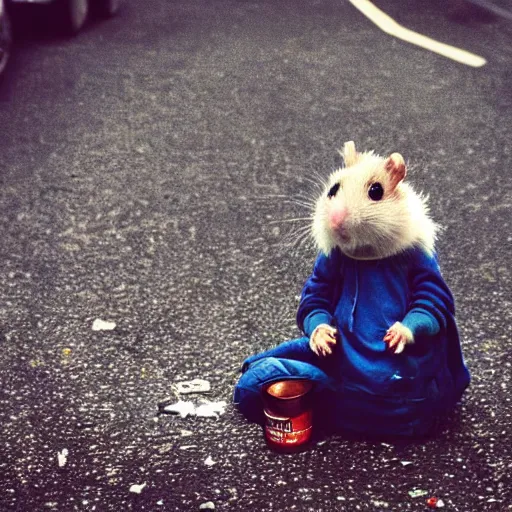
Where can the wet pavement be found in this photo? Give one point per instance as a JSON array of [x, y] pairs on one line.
[[141, 169]]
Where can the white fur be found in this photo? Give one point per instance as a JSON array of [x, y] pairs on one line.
[[373, 229]]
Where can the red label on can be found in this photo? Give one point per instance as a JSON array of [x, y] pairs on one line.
[[288, 431]]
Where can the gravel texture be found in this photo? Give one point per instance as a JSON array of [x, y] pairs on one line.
[[143, 166]]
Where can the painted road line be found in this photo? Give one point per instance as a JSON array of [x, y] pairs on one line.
[[390, 26]]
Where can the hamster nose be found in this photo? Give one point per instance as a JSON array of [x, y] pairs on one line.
[[337, 216]]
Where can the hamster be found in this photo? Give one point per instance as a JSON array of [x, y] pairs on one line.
[[368, 211], [379, 335]]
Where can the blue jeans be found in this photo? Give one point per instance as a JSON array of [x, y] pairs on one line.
[[338, 405]]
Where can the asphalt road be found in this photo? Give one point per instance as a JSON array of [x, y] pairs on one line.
[[139, 168]]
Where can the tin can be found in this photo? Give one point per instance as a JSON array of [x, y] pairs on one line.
[[288, 414]]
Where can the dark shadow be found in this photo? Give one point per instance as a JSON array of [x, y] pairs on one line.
[[463, 11], [38, 24]]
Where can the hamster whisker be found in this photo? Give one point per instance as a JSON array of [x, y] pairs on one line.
[[297, 219], [298, 231], [272, 196], [297, 242], [266, 198], [299, 201], [321, 182], [306, 243], [302, 231], [277, 196], [303, 234], [294, 199], [318, 184]]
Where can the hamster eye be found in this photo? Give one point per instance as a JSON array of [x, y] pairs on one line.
[[333, 190], [375, 192]]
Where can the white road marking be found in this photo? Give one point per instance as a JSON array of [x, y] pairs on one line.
[[391, 27]]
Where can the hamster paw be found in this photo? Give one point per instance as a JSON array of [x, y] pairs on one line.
[[323, 340], [397, 337]]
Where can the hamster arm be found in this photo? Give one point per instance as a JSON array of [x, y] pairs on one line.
[[431, 301], [320, 293]]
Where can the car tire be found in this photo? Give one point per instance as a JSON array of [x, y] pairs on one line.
[[5, 41], [107, 8], [71, 15]]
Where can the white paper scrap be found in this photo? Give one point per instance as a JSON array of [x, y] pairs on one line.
[[209, 461], [211, 409], [193, 386], [137, 488], [182, 408], [417, 493], [205, 410], [62, 457], [102, 325]]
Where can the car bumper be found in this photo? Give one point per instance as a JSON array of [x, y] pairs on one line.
[[31, 1]]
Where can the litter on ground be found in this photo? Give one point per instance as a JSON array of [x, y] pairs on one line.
[[182, 408], [211, 409], [102, 325], [137, 488], [205, 410], [62, 457], [434, 502], [193, 386], [417, 493]]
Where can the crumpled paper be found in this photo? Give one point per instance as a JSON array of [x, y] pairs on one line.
[[205, 410], [102, 325], [192, 386], [137, 488]]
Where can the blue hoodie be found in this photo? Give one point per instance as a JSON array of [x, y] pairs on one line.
[[366, 387]]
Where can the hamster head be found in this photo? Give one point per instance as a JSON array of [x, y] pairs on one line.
[[368, 211]]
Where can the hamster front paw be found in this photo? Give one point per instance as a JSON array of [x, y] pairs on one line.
[[322, 340], [397, 337]]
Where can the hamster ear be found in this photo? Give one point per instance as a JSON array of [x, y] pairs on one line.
[[395, 167], [349, 153]]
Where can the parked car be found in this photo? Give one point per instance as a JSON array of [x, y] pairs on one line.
[[5, 36], [71, 15]]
